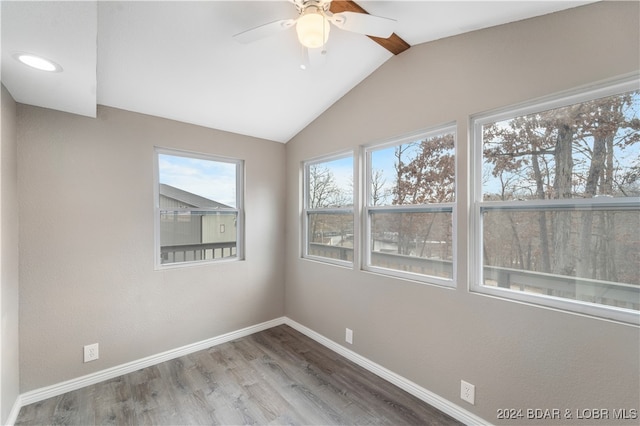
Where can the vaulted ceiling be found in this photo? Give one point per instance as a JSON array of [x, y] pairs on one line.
[[179, 59]]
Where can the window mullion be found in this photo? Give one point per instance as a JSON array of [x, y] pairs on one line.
[[620, 203]]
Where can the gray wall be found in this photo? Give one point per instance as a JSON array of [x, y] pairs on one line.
[[86, 243], [9, 364], [517, 355]]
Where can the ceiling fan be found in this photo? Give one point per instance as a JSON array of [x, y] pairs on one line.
[[314, 23]]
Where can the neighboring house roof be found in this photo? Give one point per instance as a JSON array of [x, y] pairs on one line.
[[189, 198]]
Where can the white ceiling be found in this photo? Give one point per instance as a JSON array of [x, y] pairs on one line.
[[178, 60]]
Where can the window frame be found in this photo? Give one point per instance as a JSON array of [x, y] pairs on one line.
[[238, 210], [449, 207], [478, 206], [306, 211]]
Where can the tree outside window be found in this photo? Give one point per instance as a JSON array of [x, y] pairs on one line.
[[410, 201], [558, 209], [329, 210]]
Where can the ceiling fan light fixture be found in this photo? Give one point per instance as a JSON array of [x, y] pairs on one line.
[[313, 29]]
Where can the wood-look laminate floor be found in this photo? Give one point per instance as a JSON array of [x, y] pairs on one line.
[[278, 376]]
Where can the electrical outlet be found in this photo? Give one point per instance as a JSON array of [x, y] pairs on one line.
[[91, 352], [467, 392], [348, 336]]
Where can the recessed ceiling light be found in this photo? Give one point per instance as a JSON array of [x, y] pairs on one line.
[[37, 62]]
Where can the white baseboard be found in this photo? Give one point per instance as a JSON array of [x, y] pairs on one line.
[[431, 398], [13, 414], [414, 389], [110, 373]]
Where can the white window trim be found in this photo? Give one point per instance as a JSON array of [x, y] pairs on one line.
[[562, 99], [331, 210], [421, 208], [239, 210]]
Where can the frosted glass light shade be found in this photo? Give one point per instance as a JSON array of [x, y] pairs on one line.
[[313, 30]]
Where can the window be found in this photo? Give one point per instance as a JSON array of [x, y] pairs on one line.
[[410, 194], [556, 208], [198, 208], [328, 210]]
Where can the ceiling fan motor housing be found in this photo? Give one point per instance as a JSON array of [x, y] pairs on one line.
[[319, 5]]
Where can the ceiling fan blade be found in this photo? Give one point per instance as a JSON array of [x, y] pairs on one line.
[[263, 31], [372, 25]]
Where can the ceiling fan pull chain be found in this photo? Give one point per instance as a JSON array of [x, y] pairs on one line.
[[304, 58], [324, 35]]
